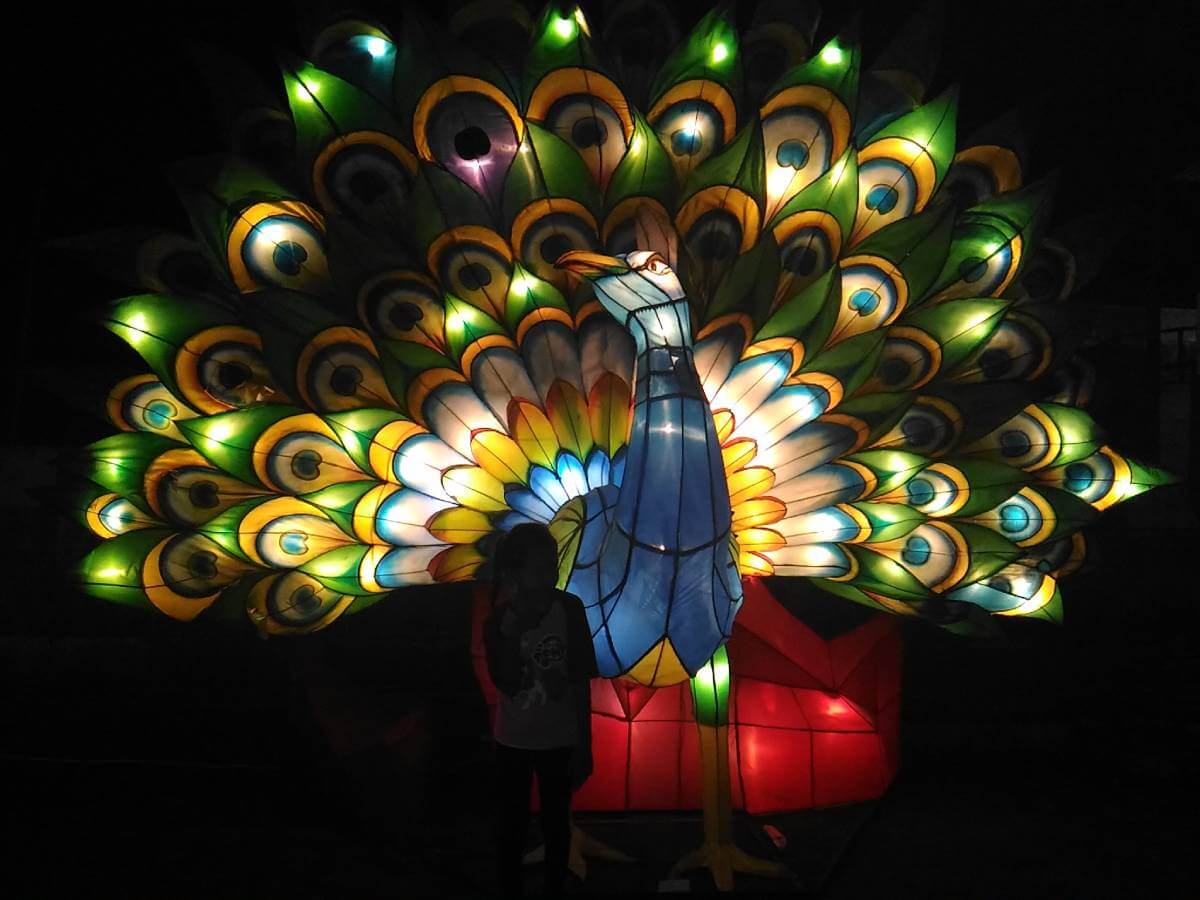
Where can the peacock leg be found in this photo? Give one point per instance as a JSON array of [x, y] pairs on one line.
[[718, 853]]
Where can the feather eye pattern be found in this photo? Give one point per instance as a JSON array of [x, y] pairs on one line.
[[363, 369]]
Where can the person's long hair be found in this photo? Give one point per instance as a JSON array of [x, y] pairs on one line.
[[513, 548]]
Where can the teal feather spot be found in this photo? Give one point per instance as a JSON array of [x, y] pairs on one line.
[[916, 551], [918, 430], [117, 516], [1013, 518], [799, 260], [864, 302], [1001, 584], [894, 370], [588, 132], [345, 380], [204, 494], [972, 269], [474, 276], [1079, 477], [307, 465], [1014, 443], [304, 600], [553, 247], [687, 142], [995, 363], [159, 413], [920, 491], [793, 154], [289, 257], [882, 198], [202, 564], [294, 543]]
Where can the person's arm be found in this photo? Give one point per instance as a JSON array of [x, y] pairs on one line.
[[581, 655], [502, 641], [581, 668]]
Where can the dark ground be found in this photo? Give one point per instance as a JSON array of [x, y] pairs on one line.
[[147, 759]]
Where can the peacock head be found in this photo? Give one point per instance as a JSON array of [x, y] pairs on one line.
[[640, 290]]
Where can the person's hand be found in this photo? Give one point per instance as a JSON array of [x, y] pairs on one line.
[[504, 599], [510, 620], [503, 594]]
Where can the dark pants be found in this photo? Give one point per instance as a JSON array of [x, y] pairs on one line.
[[514, 775]]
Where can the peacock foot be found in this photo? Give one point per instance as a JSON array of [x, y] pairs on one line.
[[723, 859], [583, 847]]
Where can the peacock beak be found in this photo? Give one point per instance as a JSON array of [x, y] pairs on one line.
[[589, 265]]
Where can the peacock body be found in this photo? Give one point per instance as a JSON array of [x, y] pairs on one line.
[[747, 326]]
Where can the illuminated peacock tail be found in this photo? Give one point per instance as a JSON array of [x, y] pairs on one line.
[[366, 369]]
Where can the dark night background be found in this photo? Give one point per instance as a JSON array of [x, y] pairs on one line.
[[146, 758]]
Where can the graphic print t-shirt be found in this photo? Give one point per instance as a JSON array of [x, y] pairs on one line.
[[541, 715]]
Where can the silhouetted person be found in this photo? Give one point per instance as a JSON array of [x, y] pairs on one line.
[[540, 656]]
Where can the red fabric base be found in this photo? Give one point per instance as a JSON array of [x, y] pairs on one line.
[[812, 722]]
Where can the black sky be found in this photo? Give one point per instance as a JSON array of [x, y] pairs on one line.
[[111, 97]]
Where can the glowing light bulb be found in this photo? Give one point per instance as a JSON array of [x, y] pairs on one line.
[[328, 568], [720, 53], [377, 47], [831, 55], [581, 21], [721, 671], [109, 573], [306, 91], [635, 146], [1122, 487], [826, 528], [522, 285], [565, 28], [976, 320], [839, 169], [137, 328], [217, 434], [836, 707], [779, 180]]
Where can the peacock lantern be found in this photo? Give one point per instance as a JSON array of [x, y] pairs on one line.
[[704, 324]]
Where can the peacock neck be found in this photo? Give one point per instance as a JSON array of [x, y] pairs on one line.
[[673, 494]]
